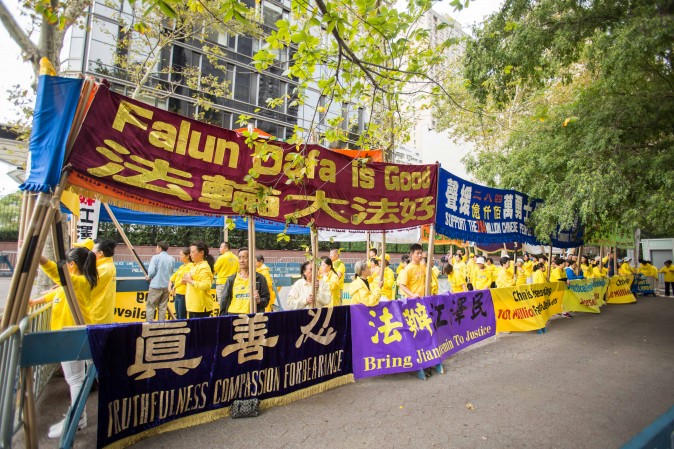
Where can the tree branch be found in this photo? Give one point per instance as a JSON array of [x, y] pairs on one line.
[[18, 35]]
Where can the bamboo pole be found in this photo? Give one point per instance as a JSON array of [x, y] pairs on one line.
[[125, 238], [615, 260], [580, 254], [22, 218], [251, 263], [314, 265], [225, 229], [549, 263], [29, 409], [382, 263], [367, 248], [429, 259]]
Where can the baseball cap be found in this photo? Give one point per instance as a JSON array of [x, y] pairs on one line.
[[480, 260], [520, 260], [87, 243]]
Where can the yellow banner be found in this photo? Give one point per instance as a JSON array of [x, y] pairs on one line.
[[527, 307], [585, 295], [619, 290], [130, 306]]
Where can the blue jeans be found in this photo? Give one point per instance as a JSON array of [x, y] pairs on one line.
[[179, 303]]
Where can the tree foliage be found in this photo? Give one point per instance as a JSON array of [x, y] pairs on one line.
[[573, 104]]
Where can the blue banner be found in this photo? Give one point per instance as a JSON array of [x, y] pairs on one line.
[[480, 214], [180, 373], [55, 107]]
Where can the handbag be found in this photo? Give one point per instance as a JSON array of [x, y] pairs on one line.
[[244, 408]]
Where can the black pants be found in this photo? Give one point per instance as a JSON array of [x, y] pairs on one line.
[[669, 285], [198, 314]]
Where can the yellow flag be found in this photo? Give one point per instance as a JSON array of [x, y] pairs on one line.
[[71, 201]]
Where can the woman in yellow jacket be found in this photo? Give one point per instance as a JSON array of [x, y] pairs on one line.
[[82, 267], [668, 271], [103, 295], [263, 269], [528, 267], [389, 281], [199, 280], [360, 290], [177, 285], [331, 278], [540, 276], [457, 281]]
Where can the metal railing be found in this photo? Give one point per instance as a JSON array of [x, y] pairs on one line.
[[10, 375], [39, 320]]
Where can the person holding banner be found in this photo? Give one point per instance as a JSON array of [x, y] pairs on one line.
[[539, 276], [457, 281], [625, 268], [300, 295], [177, 285], [236, 295], [331, 279], [528, 268], [521, 277], [199, 280], [571, 271], [668, 272], [81, 264], [339, 267], [506, 276], [360, 290], [103, 294]]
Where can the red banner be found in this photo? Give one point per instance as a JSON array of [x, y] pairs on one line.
[[137, 156]]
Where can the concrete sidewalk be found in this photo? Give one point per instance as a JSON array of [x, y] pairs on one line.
[[593, 381]]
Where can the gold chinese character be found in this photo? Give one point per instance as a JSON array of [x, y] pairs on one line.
[[319, 202], [218, 192], [388, 329], [425, 206], [476, 210], [497, 212], [487, 210], [160, 346], [325, 335], [157, 170], [250, 336], [418, 319], [384, 211]]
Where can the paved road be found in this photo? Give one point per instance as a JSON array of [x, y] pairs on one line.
[[591, 382]]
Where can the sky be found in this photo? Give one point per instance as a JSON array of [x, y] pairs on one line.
[[16, 71]]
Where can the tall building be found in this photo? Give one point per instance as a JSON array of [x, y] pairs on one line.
[[91, 49]]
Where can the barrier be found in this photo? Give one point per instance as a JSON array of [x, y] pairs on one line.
[[10, 349], [7, 263], [658, 435]]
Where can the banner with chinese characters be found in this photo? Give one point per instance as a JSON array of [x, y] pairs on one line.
[[177, 374], [620, 290], [527, 307], [137, 156], [585, 295], [480, 214], [87, 222], [408, 335]]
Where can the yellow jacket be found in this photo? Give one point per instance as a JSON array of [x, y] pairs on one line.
[[264, 271], [389, 281], [505, 278], [226, 265], [652, 271], [332, 281], [625, 269], [103, 295], [177, 278], [539, 277], [360, 294], [668, 272], [198, 295], [481, 279], [61, 315], [457, 281], [556, 273], [528, 268], [521, 277], [340, 268]]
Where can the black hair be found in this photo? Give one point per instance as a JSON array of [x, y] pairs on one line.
[[201, 246], [374, 250], [447, 268], [107, 247], [668, 261], [163, 245], [375, 261], [303, 267], [415, 247], [86, 263], [186, 251], [328, 262], [504, 260], [227, 245], [260, 258], [405, 258]]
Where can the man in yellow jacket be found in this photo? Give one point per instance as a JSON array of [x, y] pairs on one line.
[[225, 266], [668, 271]]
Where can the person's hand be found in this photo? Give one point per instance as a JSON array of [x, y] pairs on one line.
[[147, 278], [187, 278], [43, 260], [310, 300], [257, 297]]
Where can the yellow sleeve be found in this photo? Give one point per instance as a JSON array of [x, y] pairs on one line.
[[203, 278], [389, 279], [434, 283], [51, 270]]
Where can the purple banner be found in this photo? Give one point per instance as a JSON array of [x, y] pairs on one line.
[[398, 336]]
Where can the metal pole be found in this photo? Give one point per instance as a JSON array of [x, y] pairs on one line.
[[429, 259]]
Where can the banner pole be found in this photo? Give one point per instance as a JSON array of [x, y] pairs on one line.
[[382, 263], [124, 237], [225, 229], [429, 259], [550, 263], [615, 260], [251, 263], [367, 247], [314, 265], [580, 254]]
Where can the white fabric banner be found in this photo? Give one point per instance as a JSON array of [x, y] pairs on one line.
[[404, 236]]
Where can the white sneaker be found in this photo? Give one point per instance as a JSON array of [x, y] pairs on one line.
[[56, 430]]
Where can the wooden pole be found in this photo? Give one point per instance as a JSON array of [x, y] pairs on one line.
[[315, 266], [615, 260], [549, 263], [251, 263], [429, 259], [601, 258], [225, 229], [125, 238], [580, 254]]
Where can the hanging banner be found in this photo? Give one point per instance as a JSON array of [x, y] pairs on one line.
[[480, 214], [408, 335], [618, 237], [585, 295], [643, 285], [441, 239], [87, 222], [619, 290], [527, 307], [177, 374], [137, 156]]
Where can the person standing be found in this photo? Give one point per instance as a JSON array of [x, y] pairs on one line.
[[236, 296], [178, 287], [300, 295], [331, 278], [505, 276], [339, 267], [104, 292], [199, 280], [263, 269], [668, 272], [412, 280], [389, 280], [159, 275], [226, 265]]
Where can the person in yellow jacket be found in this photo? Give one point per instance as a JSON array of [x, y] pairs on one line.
[[404, 260], [226, 265], [481, 279], [412, 280], [625, 268], [540, 274], [668, 271], [360, 290], [584, 266], [339, 266], [505, 276], [177, 285], [82, 268], [457, 281], [521, 274], [528, 267], [104, 293], [491, 271], [458, 267], [331, 278], [556, 270], [389, 281], [263, 269], [199, 280]]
